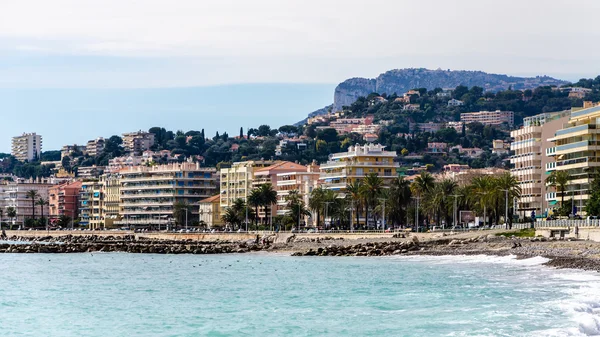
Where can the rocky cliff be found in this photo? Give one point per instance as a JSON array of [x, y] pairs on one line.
[[401, 80]]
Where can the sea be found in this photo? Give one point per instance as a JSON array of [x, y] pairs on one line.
[[119, 294]]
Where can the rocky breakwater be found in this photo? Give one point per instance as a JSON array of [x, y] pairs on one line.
[[126, 244], [365, 249]]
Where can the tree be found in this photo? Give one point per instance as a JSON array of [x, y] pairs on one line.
[[317, 197], [372, 186], [11, 212], [180, 212], [354, 193], [241, 132], [255, 200], [42, 202], [268, 197], [592, 207], [559, 180], [33, 195], [264, 131], [398, 199], [508, 182], [296, 206]]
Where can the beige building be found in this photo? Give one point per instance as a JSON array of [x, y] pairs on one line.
[[15, 196], [95, 147], [302, 180], [27, 147], [138, 142], [530, 145], [111, 189], [149, 193], [489, 117], [91, 207], [575, 148], [236, 181], [347, 167], [210, 212]]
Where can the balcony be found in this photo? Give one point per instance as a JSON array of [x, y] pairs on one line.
[[355, 164]]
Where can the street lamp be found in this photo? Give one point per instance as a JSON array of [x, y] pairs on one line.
[[454, 213], [484, 207], [417, 214], [383, 200], [506, 210], [326, 211]]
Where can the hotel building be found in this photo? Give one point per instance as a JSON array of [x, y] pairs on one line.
[[27, 147], [347, 167], [64, 200], [302, 180], [236, 181]]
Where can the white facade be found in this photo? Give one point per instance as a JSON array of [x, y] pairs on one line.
[[27, 147], [14, 194]]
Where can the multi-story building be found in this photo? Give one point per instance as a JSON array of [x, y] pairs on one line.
[[95, 147], [236, 181], [268, 175], [575, 148], [210, 212], [111, 188], [149, 194], [489, 117], [138, 142], [15, 196], [303, 181], [347, 167], [68, 150], [64, 200], [88, 172], [529, 161], [27, 147], [91, 204]]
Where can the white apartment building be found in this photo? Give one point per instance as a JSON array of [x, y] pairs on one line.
[[14, 194], [302, 181], [27, 147], [236, 181], [95, 147]]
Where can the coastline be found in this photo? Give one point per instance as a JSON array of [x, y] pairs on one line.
[[576, 254]]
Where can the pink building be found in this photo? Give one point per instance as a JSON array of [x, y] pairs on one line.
[[64, 200]]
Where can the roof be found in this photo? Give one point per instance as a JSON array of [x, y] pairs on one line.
[[211, 199], [282, 165]]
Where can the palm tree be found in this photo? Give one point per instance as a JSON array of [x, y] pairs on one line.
[[255, 200], [180, 211], [297, 206], [424, 183], [354, 193], [11, 212], [482, 195], [33, 195], [559, 180], [268, 197], [371, 188], [315, 203], [509, 186], [399, 198], [42, 202]]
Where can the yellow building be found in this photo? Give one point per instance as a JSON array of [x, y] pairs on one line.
[[577, 150], [91, 205], [210, 212], [111, 187], [347, 167], [236, 181]]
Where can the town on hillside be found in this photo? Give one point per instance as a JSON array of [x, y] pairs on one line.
[[443, 158]]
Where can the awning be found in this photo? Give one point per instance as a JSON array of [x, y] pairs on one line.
[[553, 202]]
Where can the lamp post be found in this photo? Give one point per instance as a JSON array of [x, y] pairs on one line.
[[454, 213], [246, 193], [484, 207], [383, 200], [326, 210], [417, 214], [506, 209]]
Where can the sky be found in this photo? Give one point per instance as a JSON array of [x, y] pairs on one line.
[[63, 57]]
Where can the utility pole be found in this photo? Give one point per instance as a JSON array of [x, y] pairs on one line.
[[326, 210], [383, 200], [246, 193], [352, 216], [186, 218], [454, 213], [484, 207]]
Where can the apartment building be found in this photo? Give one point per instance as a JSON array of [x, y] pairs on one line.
[[95, 147], [268, 175], [529, 162], [68, 150], [89, 172], [91, 205], [111, 189], [15, 196], [63, 200], [138, 142], [303, 181], [347, 167], [575, 148], [496, 118], [236, 181], [149, 194], [27, 147]]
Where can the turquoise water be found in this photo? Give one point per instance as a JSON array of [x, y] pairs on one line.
[[275, 295]]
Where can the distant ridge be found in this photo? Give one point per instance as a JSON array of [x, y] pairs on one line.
[[401, 80]]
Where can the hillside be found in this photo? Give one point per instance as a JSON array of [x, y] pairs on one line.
[[401, 80]]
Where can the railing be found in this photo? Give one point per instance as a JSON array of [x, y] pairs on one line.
[[567, 223], [574, 129], [577, 144], [352, 164]]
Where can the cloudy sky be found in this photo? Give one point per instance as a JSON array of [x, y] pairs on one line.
[[181, 43]]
